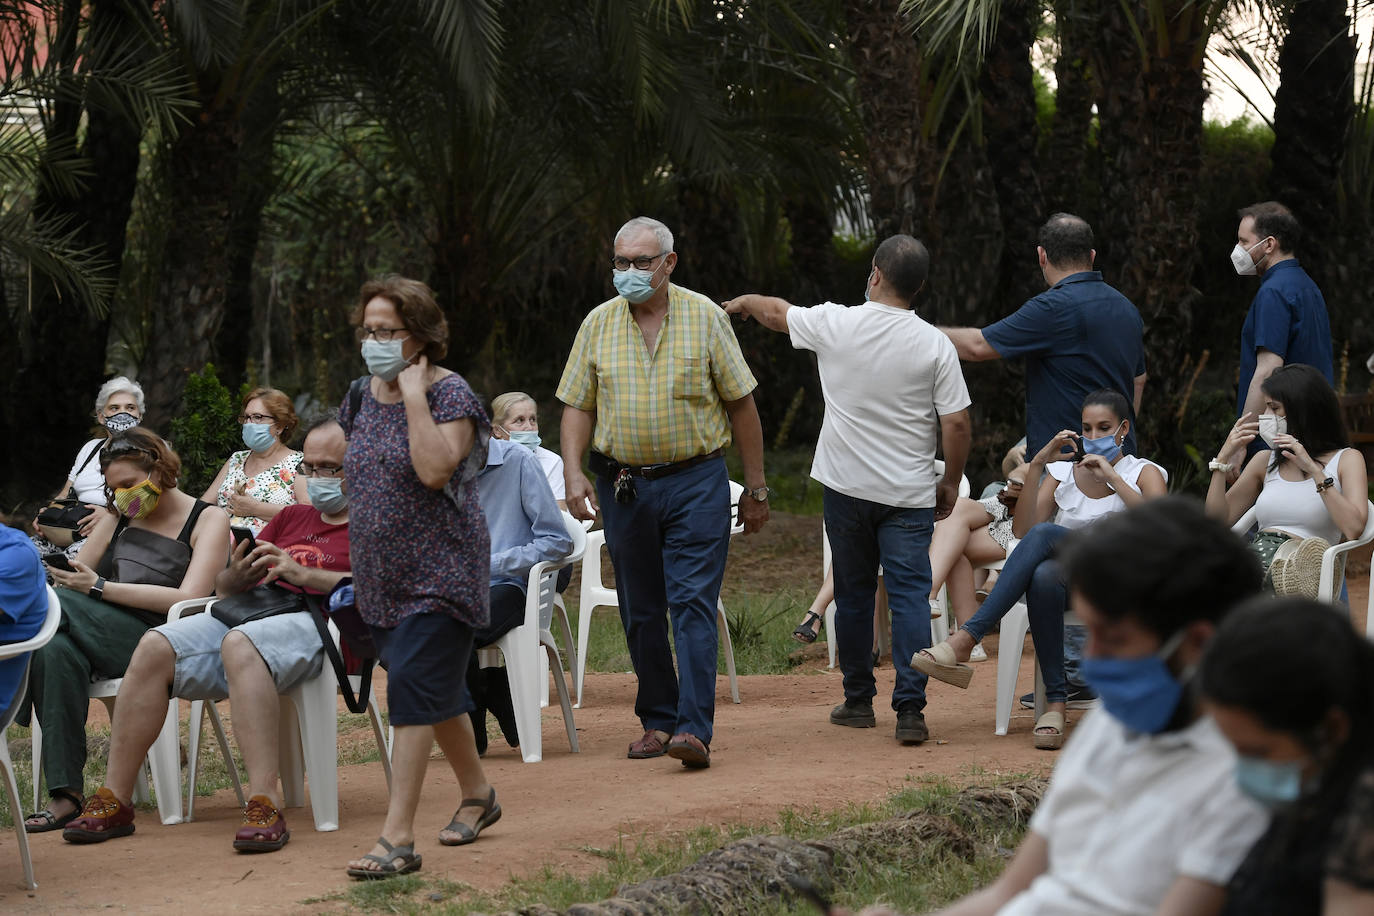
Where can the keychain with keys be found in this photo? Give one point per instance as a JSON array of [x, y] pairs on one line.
[[624, 487]]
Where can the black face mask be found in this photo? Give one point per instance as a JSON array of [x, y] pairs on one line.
[[120, 422]]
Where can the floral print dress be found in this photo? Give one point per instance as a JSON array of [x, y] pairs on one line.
[[273, 485]]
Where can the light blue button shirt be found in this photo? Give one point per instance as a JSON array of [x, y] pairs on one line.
[[524, 520]]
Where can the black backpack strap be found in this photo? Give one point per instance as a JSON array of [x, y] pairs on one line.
[[355, 400], [355, 702]]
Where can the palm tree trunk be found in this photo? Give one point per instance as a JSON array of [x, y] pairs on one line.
[[1313, 111], [1067, 149]]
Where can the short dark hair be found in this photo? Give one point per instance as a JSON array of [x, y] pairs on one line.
[[1111, 399], [1274, 219], [1311, 407], [415, 303], [905, 264], [324, 418], [1067, 240], [1268, 635], [1165, 564]]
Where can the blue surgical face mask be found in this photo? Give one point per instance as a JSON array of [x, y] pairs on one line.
[[1140, 693], [1106, 446], [634, 284], [867, 284], [1273, 784], [385, 358], [327, 494], [526, 437], [258, 436]]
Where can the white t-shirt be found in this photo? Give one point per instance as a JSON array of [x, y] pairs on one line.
[[887, 377], [88, 482], [1128, 814], [552, 466], [1077, 509]]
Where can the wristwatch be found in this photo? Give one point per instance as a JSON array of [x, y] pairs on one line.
[[1325, 485], [760, 494], [1215, 465], [97, 591]]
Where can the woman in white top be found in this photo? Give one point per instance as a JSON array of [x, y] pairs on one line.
[[515, 417], [118, 406], [1306, 483], [1086, 477], [254, 485]]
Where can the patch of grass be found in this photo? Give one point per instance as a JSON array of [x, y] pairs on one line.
[[789, 479], [936, 877]]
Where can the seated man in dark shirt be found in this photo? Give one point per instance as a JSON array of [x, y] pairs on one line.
[[303, 548]]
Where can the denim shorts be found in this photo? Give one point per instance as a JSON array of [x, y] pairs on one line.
[[288, 643], [426, 662]]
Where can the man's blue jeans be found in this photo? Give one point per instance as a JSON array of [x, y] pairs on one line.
[[864, 535], [668, 547], [1032, 571]]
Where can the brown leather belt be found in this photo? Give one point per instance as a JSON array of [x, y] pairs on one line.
[[606, 466]]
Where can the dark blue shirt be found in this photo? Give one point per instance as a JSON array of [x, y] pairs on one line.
[[1078, 336], [1287, 318]]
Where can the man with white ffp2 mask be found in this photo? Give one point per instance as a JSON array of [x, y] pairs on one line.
[[1287, 321]]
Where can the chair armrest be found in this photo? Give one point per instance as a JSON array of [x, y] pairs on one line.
[[42, 637], [189, 606]]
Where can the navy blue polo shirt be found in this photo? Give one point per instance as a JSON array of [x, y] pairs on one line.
[[1077, 336], [1287, 318]]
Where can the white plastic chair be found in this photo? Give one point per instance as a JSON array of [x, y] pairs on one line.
[[36, 642], [884, 626], [164, 757], [307, 742], [595, 594], [521, 647], [1329, 585]]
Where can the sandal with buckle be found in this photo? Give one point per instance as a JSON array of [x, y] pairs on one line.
[[491, 813], [52, 821], [804, 633], [399, 860]]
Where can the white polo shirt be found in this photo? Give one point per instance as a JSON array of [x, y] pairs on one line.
[[1127, 814], [887, 377]]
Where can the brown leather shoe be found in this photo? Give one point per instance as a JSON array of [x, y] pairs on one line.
[[263, 828], [102, 816], [690, 750], [653, 744]]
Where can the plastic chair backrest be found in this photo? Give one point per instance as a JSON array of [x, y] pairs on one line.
[[32, 644]]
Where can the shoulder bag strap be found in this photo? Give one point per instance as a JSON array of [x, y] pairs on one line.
[[355, 702], [89, 455], [355, 400]]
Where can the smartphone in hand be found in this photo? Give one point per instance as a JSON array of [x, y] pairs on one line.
[[58, 560], [243, 534]]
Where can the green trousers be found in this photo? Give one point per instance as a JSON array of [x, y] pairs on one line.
[[93, 638]]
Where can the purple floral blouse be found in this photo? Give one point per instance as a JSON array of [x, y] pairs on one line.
[[413, 551]]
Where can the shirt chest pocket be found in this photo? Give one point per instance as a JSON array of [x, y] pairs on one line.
[[691, 378]]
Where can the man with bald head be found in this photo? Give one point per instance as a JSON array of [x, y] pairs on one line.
[[657, 386]]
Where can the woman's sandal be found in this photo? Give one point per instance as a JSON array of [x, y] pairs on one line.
[[387, 866], [52, 821], [1055, 739], [940, 662], [804, 633], [491, 813]]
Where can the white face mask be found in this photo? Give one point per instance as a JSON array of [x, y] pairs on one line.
[[1271, 425], [1241, 259]]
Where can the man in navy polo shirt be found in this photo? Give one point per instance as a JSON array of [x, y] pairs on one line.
[[1077, 336], [1287, 321]]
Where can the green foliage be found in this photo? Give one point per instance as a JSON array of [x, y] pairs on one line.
[[206, 431]]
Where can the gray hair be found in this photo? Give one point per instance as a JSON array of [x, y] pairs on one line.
[[660, 231], [114, 386]]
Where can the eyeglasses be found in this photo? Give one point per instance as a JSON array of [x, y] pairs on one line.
[[318, 470], [256, 418], [643, 263], [382, 334]]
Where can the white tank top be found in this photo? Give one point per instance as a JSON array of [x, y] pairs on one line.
[[1296, 507], [1077, 510]]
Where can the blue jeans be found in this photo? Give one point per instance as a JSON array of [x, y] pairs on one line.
[[863, 535], [668, 548], [1032, 571]]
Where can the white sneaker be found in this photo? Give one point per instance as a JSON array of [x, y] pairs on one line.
[[978, 655]]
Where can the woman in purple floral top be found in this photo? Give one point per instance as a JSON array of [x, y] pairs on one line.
[[421, 554]]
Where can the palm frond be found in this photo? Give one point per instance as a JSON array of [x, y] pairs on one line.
[[210, 30], [470, 37], [53, 249], [957, 27]]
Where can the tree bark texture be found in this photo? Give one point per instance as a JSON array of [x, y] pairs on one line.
[[1067, 149], [1150, 109], [1313, 111]]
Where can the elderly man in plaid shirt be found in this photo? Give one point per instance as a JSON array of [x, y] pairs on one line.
[[657, 386]]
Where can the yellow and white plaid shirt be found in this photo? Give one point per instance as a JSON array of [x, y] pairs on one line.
[[664, 405]]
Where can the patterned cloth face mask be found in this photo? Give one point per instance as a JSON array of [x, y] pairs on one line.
[[137, 501]]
